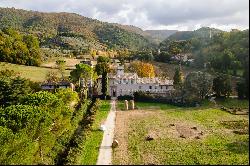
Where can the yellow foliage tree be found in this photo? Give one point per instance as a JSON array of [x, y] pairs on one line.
[[93, 53], [142, 69]]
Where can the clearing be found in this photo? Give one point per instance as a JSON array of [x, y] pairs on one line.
[[37, 74], [164, 134], [70, 63]]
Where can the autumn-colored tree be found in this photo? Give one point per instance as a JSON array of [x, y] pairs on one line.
[[142, 69], [93, 53]]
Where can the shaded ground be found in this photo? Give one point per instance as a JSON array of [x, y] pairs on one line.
[[202, 135]]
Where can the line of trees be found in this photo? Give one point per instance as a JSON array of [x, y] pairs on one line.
[[198, 85], [40, 127], [84, 75]]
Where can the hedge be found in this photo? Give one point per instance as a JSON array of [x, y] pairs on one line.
[[177, 101], [77, 142]]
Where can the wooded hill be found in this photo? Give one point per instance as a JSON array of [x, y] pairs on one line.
[[71, 31], [160, 35], [203, 32]]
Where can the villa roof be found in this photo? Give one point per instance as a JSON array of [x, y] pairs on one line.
[[144, 80], [137, 79], [158, 80]]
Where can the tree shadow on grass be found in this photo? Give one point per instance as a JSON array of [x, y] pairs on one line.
[[239, 147]]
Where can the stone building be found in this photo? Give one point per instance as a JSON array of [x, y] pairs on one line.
[[122, 83], [51, 86]]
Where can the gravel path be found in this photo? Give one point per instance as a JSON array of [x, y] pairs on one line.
[[105, 151]]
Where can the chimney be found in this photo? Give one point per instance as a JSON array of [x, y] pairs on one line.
[[120, 70]]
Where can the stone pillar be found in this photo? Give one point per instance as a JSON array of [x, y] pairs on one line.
[[126, 104], [72, 87], [132, 104]]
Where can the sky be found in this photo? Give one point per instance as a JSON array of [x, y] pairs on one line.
[[150, 14]]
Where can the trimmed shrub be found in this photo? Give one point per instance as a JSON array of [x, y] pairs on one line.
[[125, 97]]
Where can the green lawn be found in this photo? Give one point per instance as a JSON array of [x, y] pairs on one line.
[[233, 103], [218, 144], [205, 104], [94, 137], [33, 73]]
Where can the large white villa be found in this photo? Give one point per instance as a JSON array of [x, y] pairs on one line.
[[122, 83]]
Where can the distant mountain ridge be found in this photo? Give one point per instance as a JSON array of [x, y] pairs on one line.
[[72, 31]]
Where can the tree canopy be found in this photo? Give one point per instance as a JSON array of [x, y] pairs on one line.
[[13, 88], [19, 48], [197, 85], [222, 85], [178, 78], [142, 69], [102, 68]]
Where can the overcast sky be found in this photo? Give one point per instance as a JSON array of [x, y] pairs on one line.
[[150, 14]]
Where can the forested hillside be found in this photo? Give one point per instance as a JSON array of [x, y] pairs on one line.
[[19, 48], [224, 52], [203, 32], [219, 50], [71, 32], [159, 35]]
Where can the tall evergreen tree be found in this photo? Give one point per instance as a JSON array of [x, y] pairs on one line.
[[102, 68], [178, 78]]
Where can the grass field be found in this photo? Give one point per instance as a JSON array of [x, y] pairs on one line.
[[198, 135], [94, 137], [70, 63], [37, 74]]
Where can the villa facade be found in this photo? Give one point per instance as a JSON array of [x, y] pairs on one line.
[[122, 83]]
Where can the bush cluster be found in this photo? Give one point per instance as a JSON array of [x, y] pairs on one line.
[[38, 128], [125, 97], [177, 101]]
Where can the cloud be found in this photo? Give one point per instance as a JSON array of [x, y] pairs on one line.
[[150, 14]]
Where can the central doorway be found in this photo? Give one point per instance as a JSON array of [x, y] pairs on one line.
[[114, 93]]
